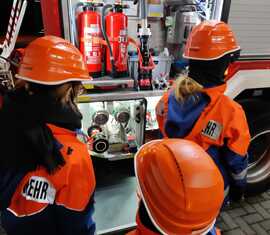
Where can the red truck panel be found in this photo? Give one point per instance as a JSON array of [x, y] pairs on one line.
[[51, 17], [247, 65]]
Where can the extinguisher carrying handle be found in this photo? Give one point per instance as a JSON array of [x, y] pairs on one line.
[[151, 65]]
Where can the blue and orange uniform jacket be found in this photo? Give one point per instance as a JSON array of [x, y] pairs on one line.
[[216, 123], [60, 203]]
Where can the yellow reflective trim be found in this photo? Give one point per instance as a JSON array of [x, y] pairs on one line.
[[88, 86], [83, 99]]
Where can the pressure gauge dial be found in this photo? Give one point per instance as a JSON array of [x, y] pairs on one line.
[[122, 116], [100, 117]]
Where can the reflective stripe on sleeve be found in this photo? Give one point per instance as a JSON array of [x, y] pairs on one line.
[[226, 191], [240, 176]]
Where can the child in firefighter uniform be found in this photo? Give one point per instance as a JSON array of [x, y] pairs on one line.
[[181, 189], [47, 181], [196, 108]]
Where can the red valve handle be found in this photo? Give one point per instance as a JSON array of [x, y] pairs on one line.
[[151, 64]]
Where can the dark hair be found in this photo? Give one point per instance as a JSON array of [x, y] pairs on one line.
[[26, 140]]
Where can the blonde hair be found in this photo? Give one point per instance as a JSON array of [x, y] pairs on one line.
[[185, 87]]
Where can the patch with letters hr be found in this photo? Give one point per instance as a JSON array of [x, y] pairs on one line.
[[39, 189], [212, 130]]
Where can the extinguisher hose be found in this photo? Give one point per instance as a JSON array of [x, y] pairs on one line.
[[103, 30], [74, 23]]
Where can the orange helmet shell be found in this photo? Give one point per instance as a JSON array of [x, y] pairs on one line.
[[51, 60], [180, 186], [210, 40]]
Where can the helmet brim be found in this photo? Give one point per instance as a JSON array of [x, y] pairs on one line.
[[212, 58], [52, 83]]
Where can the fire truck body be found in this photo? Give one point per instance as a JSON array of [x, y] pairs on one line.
[[248, 82]]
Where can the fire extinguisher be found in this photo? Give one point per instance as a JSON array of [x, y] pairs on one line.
[[90, 37], [115, 32]]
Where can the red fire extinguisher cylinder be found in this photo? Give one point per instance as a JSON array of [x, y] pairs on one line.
[[117, 33], [89, 22]]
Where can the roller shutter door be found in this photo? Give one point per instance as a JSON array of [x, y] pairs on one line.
[[250, 21]]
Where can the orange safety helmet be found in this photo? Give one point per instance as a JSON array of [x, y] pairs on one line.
[[180, 185], [51, 60], [210, 40]]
